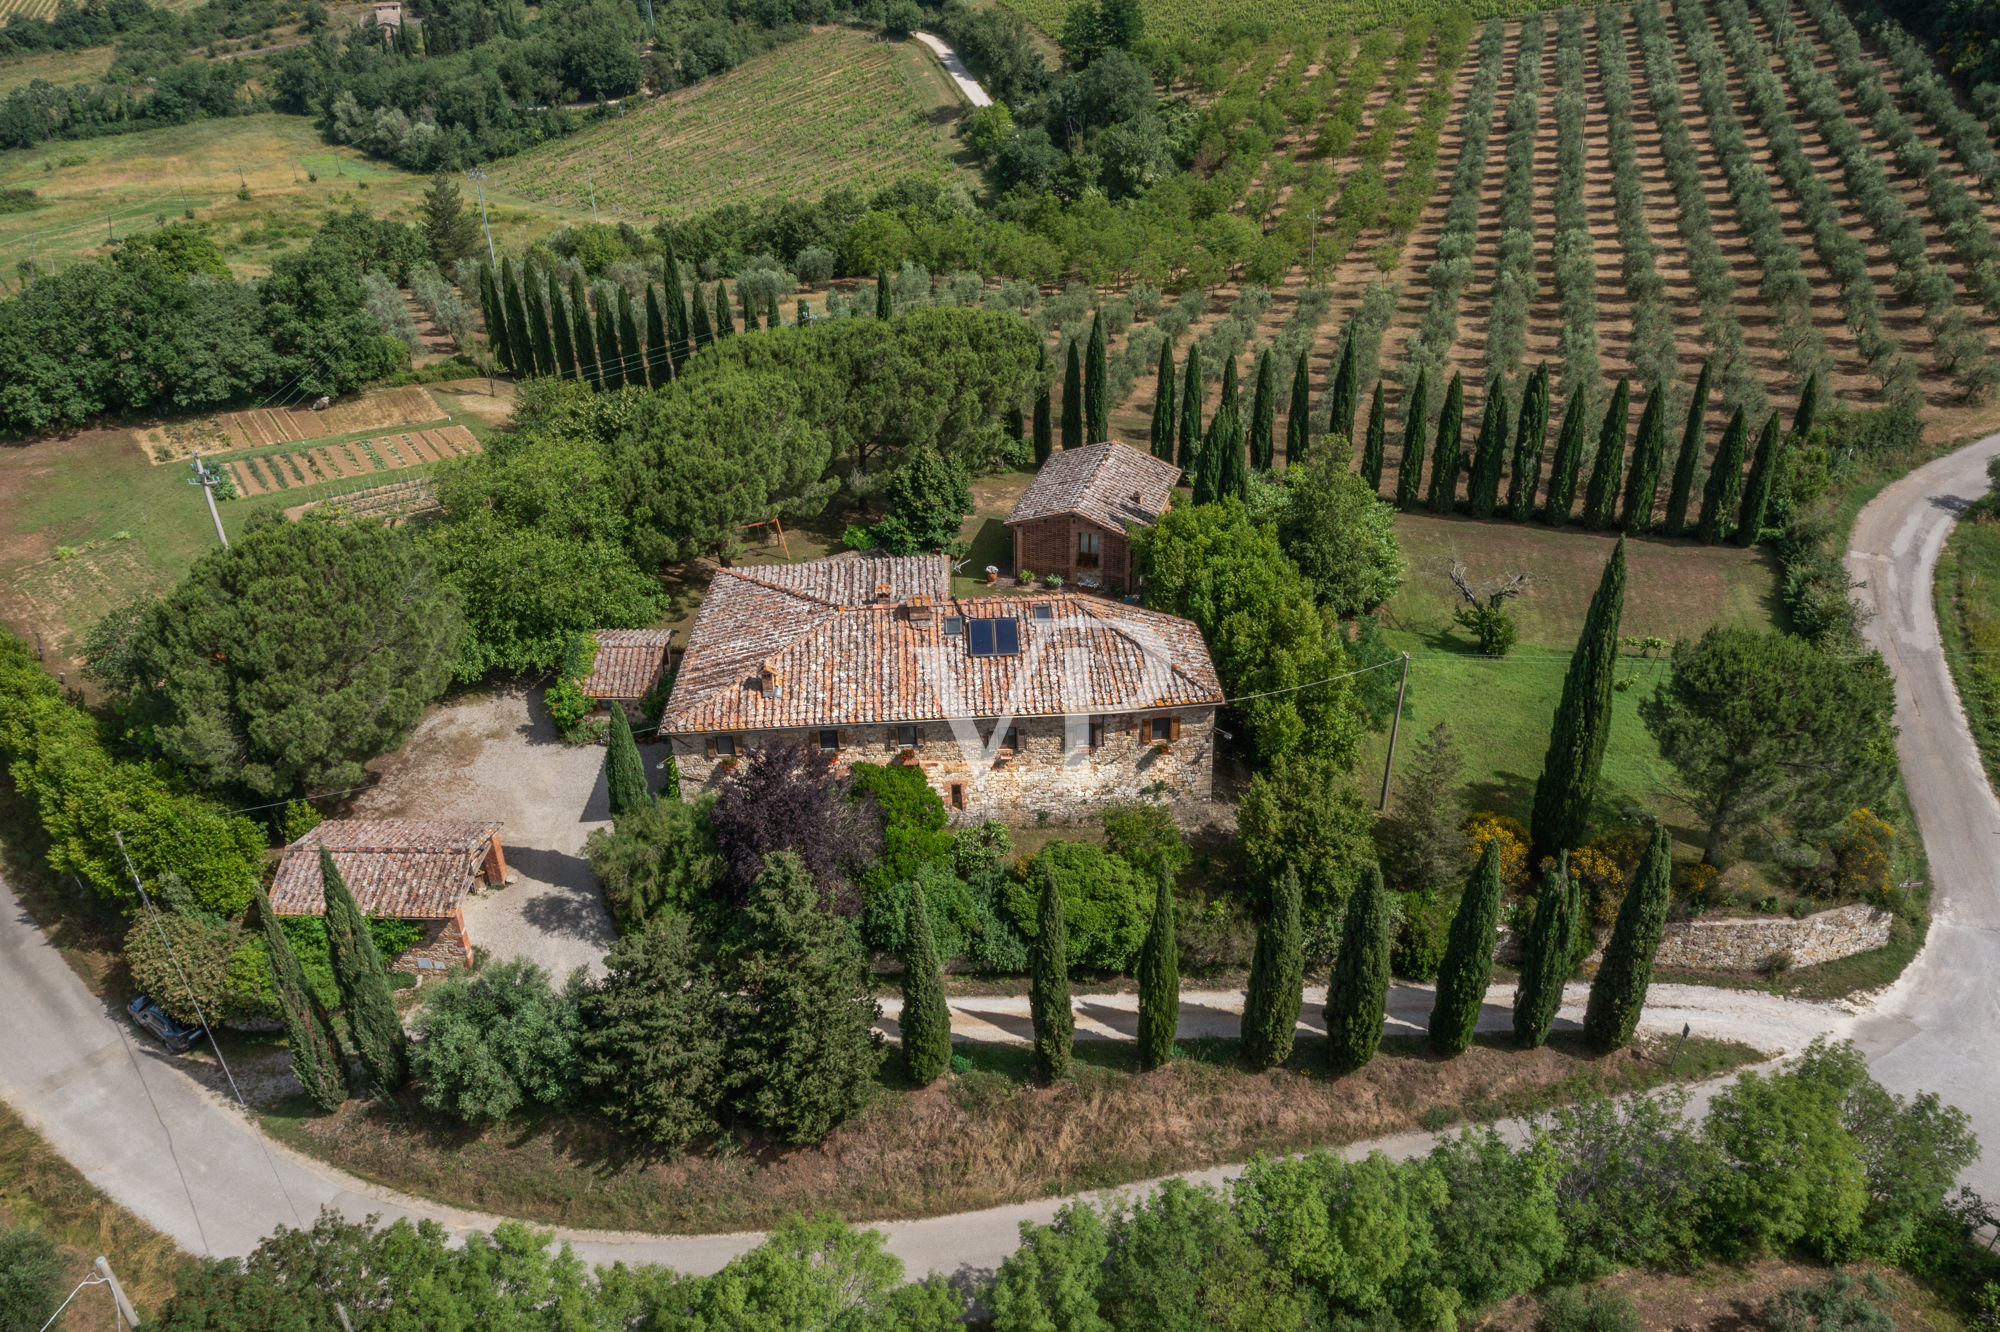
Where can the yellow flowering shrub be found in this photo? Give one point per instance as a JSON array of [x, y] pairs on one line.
[[1512, 837], [1861, 857], [1603, 882]]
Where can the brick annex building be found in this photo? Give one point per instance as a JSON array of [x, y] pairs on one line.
[[1073, 518], [1012, 705]]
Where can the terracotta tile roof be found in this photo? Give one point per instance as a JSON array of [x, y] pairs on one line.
[[836, 662], [628, 663], [411, 869], [1111, 484]]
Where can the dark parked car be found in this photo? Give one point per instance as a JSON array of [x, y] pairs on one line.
[[153, 1018]]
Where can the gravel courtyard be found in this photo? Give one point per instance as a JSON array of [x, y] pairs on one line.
[[493, 754]]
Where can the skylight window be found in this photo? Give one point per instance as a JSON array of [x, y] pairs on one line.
[[993, 638], [953, 626], [1045, 612]]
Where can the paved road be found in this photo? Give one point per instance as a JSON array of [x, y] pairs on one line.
[[1935, 1029], [185, 1161], [956, 68]]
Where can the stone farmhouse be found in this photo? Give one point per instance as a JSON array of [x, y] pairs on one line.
[[1013, 706], [409, 869], [1073, 518]]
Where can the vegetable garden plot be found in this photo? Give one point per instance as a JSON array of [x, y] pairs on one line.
[[299, 468]]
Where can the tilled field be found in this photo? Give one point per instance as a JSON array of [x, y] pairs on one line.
[[266, 473]]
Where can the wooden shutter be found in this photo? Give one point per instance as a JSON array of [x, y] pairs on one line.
[[710, 743], [1173, 729]]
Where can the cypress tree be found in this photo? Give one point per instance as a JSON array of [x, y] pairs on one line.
[[1719, 498], [1345, 395], [1642, 486], [1545, 955], [1468, 957], [725, 322], [611, 361], [1264, 415], [364, 984], [1618, 992], [1227, 399], [700, 331], [1044, 426], [538, 325], [884, 304], [1194, 394], [1530, 436], [1163, 405], [926, 1018], [1410, 467], [1357, 993], [624, 770], [1277, 979], [559, 330], [518, 337], [628, 340], [1689, 457], [1298, 416], [495, 310], [1568, 459], [1446, 456], [1072, 408], [1017, 426], [1489, 459], [749, 310], [1808, 409], [1600, 502], [1568, 783], [680, 328], [659, 342], [580, 334], [1048, 985], [1757, 490], [1159, 981], [771, 319], [309, 1034], [1378, 436], [1096, 386]]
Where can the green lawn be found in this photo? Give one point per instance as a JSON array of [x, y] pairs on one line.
[[1500, 710]]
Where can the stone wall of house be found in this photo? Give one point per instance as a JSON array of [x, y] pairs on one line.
[[1050, 772], [441, 949], [1049, 545], [1749, 945]]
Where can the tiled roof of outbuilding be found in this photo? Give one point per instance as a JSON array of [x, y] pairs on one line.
[[411, 869], [839, 657], [1111, 484], [629, 662]]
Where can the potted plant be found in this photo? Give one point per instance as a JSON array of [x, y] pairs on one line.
[[1026, 578], [992, 573], [1055, 582]]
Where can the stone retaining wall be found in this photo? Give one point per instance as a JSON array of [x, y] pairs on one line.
[[1749, 945]]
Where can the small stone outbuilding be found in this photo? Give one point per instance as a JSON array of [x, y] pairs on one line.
[[407, 869], [1012, 706], [629, 665], [1073, 518]]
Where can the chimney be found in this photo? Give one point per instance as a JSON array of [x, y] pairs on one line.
[[884, 594], [771, 680], [917, 608]]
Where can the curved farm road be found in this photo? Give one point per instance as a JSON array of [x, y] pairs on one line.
[[956, 68], [188, 1163]]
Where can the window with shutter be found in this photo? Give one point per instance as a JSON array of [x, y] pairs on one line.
[[1173, 729]]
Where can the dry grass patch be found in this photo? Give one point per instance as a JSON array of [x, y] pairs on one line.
[[1726, 1297], [982, 1138]]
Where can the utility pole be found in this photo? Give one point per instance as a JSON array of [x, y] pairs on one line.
[[206, 480], [592, 181], [1395, 721], [479, 183]]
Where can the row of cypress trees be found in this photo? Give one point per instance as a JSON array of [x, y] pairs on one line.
[[536, 328], [1732, 505]]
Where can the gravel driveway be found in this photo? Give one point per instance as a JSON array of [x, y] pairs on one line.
[[494, 754]]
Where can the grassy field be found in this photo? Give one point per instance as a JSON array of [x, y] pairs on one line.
[[93, 189], [58, 67], [40, 1190], [983, 1137], [1968, 612], [1500, 710], [838, 108], [92, 523]]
